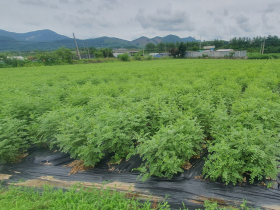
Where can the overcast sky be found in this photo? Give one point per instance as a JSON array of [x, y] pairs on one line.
[[131, 19]]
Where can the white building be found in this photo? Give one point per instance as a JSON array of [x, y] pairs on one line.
[[225, 50], [153, 54], [209, 48], [116, 54], [16, 57], [160, 54]]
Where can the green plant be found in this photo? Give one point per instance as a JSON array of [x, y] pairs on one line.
[[77, 197], [269, 185], [211, 205], [13, 139], [241, 145], [231, 54], [124, 57], [170, 148], [137, 57], [149, 57], [135, 108]]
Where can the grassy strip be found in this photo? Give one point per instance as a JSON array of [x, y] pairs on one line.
[[77, 197], [28, 63], [263, 56]]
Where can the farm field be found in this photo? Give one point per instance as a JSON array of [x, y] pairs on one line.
[[166, 111]]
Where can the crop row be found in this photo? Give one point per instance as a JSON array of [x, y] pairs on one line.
[[166, 112]]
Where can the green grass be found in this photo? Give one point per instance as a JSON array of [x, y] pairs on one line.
[[263, 56], [166, 111], [79, 198], [24, 198]]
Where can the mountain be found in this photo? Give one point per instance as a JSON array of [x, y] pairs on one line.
[[142, 41], [49, 40], [6, 42], [34, 36], [171, 38], [190, 39], [6, 38]]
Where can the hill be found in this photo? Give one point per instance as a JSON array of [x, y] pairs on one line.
[[7, 42], [34, 36], [190, 39]]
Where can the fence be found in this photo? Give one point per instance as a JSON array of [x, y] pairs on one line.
[[83, 56], [216, 54]]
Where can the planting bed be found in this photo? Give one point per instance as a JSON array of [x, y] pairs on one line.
[[168, 112]]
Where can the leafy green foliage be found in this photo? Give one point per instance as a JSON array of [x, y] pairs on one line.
[[162, 111], [61, 55], [123, 57], [170, 148], [137, 57], [246, 141], [13, 139], [101, 53]]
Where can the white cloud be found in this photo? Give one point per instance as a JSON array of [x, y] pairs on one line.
[[225, 12], [266, 23], [243, 22], [165, 19], [40, 3], [125, 19]]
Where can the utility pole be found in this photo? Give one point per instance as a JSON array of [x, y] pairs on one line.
[[88, 51], [143, 52], [19, 52], [200, 43], [261, 48], [77, 47], [85, 50], [263, 45]]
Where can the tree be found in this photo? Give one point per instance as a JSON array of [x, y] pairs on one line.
[[194, 48], [160, 47], [169, 46], [124, 57], [98, 54], [47, 57], [150, 46], [92, 50], [174, 52], [107, 52], [182, 49], [64, 54]]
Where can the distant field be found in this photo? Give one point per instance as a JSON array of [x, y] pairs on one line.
[[167, 111]]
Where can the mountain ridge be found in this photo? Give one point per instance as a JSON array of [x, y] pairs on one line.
[[44, 35], [50, 40]]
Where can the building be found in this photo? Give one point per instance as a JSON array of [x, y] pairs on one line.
[[16, 57], [116, 54], [225, 50], [159, 55], [209, 48]]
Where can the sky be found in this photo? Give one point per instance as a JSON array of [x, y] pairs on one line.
[[131, 19]]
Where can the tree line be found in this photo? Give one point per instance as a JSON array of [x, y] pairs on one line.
[[59, 56], [272, 45]]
